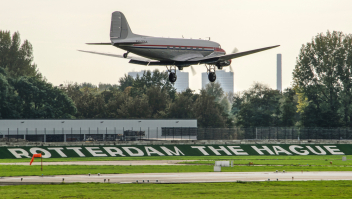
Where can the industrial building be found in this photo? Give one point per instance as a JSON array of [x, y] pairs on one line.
[[225, 79], [56, 130]]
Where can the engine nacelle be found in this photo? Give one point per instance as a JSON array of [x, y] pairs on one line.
[[221, 64]]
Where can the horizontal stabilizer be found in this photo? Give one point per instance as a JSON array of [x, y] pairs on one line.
[[99, 43]]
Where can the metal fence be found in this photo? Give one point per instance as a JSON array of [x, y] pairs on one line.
[[135, 134]]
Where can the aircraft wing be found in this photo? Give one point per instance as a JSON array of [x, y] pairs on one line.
[[119, 56], [231, 56]]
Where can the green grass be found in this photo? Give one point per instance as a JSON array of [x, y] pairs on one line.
[[202, 164], [245, 158], [20, 170], [309, 189]]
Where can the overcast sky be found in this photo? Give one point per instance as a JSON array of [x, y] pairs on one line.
[[57, 29]]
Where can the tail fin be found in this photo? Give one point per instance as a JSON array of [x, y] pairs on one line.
[[119, 28]]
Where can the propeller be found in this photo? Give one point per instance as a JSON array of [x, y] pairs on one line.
[[194, 72], [235, 50]]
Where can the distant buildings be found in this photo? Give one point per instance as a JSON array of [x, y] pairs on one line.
[[181, 84], [225, 79]]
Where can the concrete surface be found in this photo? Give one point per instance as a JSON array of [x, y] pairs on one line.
[[200, 177]]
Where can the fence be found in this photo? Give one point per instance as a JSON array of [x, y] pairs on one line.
[[134, 134]]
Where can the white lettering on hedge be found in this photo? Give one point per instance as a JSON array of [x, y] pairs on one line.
[[77, 150], [116, 151], [170, 152], [58, 150], [151, 150], [322, 152], [302, 152], [237, 151], [96, 152], [18, 152], [279, 149], [201, 149], [265, 148], [35, 150], [222, 148], [128, 150], [334, 151]]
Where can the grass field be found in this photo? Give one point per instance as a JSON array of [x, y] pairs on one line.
[[203, 164], [326, 158], [309, 189]]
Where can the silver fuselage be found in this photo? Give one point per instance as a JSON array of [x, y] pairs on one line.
[[170, 49]]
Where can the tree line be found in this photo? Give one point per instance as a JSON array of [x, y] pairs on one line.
[[320, 94]]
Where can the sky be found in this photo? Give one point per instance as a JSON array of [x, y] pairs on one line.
[[57, 29]]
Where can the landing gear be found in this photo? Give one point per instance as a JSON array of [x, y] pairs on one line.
[[211, 72], [172, 77], [125, 54], [172, 73], [212, 77]]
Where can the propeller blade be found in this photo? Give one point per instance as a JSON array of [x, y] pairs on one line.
[[194, 72], [235, 50], [231, 69]]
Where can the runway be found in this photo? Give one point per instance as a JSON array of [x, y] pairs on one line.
[[200, 177], [124, 163]]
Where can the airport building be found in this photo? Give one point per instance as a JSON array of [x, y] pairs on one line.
[[181, 84], [56, 130], [225, 79]]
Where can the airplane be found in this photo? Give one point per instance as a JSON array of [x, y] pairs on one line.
[[170, 52]]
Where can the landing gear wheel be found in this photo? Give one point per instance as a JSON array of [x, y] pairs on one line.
[[172, 77], [212, 77], [125, 54]]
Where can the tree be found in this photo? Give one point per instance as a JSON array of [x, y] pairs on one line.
[[182, 106], [39, 99], [150, 79], [288, 108], [258, 106], [125, 82], [208, 112], [15, 58], [323, 76], [8, 98], [214, 89]]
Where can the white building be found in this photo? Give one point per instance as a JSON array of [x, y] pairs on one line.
[[57, 130]]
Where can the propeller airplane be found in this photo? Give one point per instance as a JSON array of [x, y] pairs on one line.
[[170, 52]]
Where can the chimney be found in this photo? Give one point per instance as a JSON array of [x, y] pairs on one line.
[[279, 73]]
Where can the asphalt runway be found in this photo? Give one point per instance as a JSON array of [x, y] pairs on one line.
[[125, 163], [200, 177]]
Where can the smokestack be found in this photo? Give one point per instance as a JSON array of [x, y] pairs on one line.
[[279, 73]]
